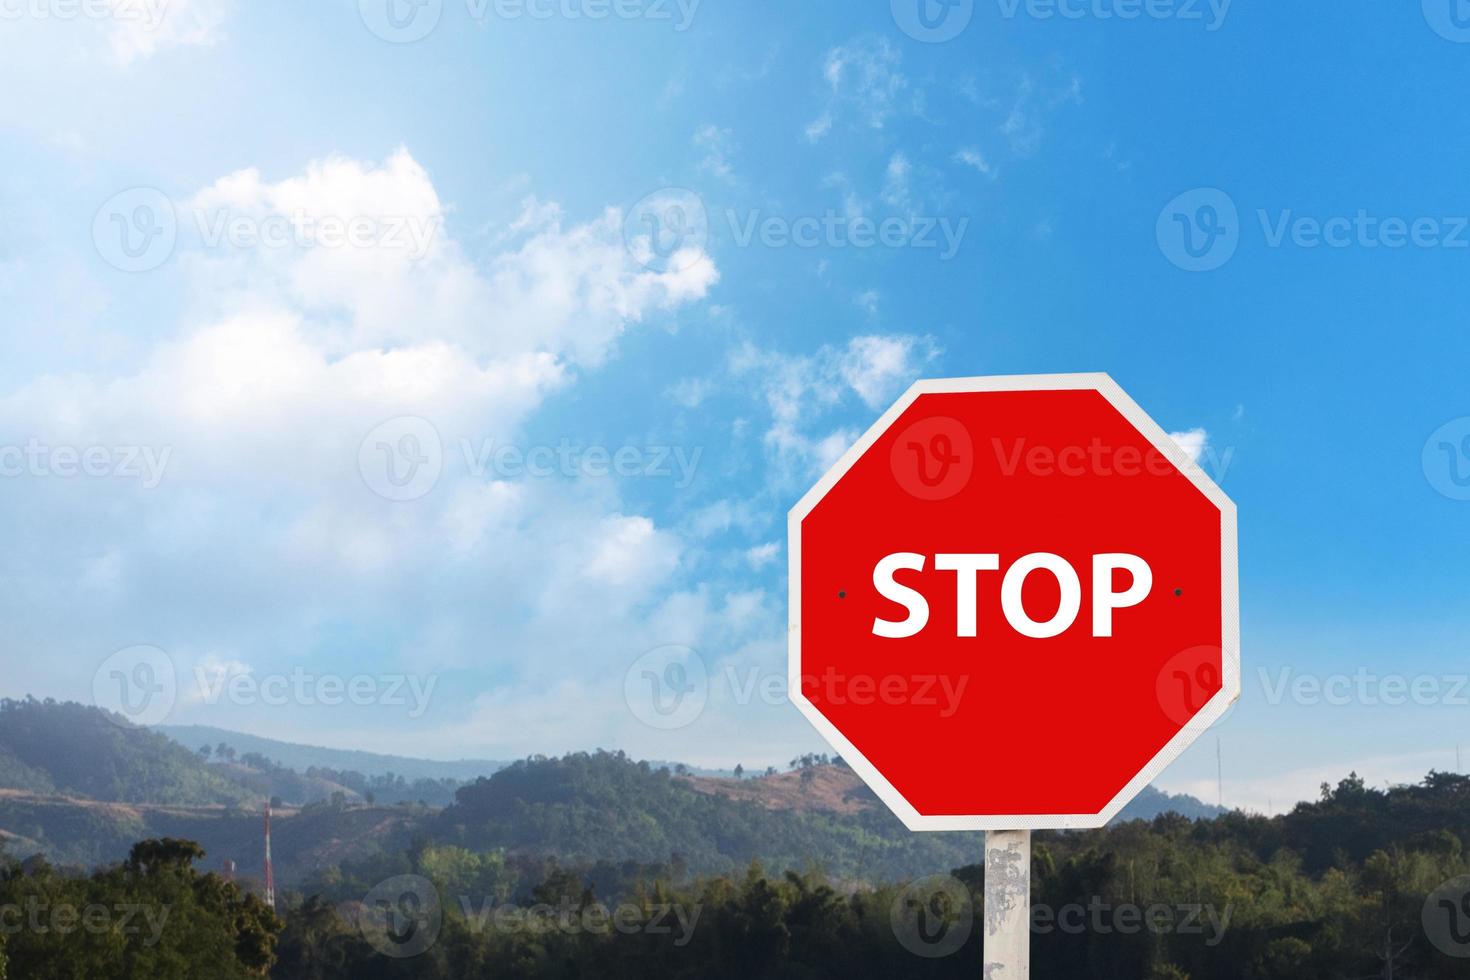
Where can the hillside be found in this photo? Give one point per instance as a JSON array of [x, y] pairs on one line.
[[90, 833], [1345, 887], [78, 750], [605, 807], [1334, 889], [837, 789], [82, 786], [287, 785]]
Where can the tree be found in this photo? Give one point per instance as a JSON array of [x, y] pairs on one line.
[[739, 771], [157, 856], [153, 917]]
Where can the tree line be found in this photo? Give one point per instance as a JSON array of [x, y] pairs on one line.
[[1362, 883]]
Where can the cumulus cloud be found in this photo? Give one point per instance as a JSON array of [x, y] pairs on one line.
[[264, 541], [564, 290]]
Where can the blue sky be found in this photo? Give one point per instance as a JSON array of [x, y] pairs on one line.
[[1313, 352]]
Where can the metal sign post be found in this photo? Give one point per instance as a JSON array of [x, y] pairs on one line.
[[1008, 905]]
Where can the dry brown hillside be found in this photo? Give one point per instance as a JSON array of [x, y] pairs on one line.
[[834, 789]]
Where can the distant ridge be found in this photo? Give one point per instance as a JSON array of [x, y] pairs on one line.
[[767, 792], [302, 757], [81, 786], [837, 789]]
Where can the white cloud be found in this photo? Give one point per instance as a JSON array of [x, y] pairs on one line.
[[1194, 442], [254, 397], [825, 452], [800, 390], [1026, 122], [143, 27], [763, 554], [264, 536], [818, 128], [630, 551], [117, 34], [896, 191], [913, 189], [565, 291], [717, 144], [877, 367], [975, 160], [864, 79]]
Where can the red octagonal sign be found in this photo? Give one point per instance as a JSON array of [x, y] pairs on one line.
[[1013, 603]]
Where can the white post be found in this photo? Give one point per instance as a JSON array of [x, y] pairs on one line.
[[1008, 905]]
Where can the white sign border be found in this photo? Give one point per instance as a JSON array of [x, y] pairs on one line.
[[1212, 712]]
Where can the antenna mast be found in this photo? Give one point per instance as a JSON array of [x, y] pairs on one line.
[[270, 876]]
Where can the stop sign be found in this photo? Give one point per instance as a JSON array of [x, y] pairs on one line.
[[1013, 603]]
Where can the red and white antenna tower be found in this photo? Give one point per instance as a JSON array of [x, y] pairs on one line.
[[270, 875]]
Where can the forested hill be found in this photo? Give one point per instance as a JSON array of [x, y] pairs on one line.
[[605, 807], [63, 748], [816, 783], [1363, 883], [66, 768]]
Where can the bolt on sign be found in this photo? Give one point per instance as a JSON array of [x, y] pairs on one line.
[[1059, 577]]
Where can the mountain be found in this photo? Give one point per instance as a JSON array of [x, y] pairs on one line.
[[81, 786], [1155, 802], [1362, 883], [606, 807], [1353, 885], [837, 789], [768, 791], [78, 750], [304, 757]]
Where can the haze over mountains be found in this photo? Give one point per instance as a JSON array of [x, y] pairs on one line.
[[303, 757]]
